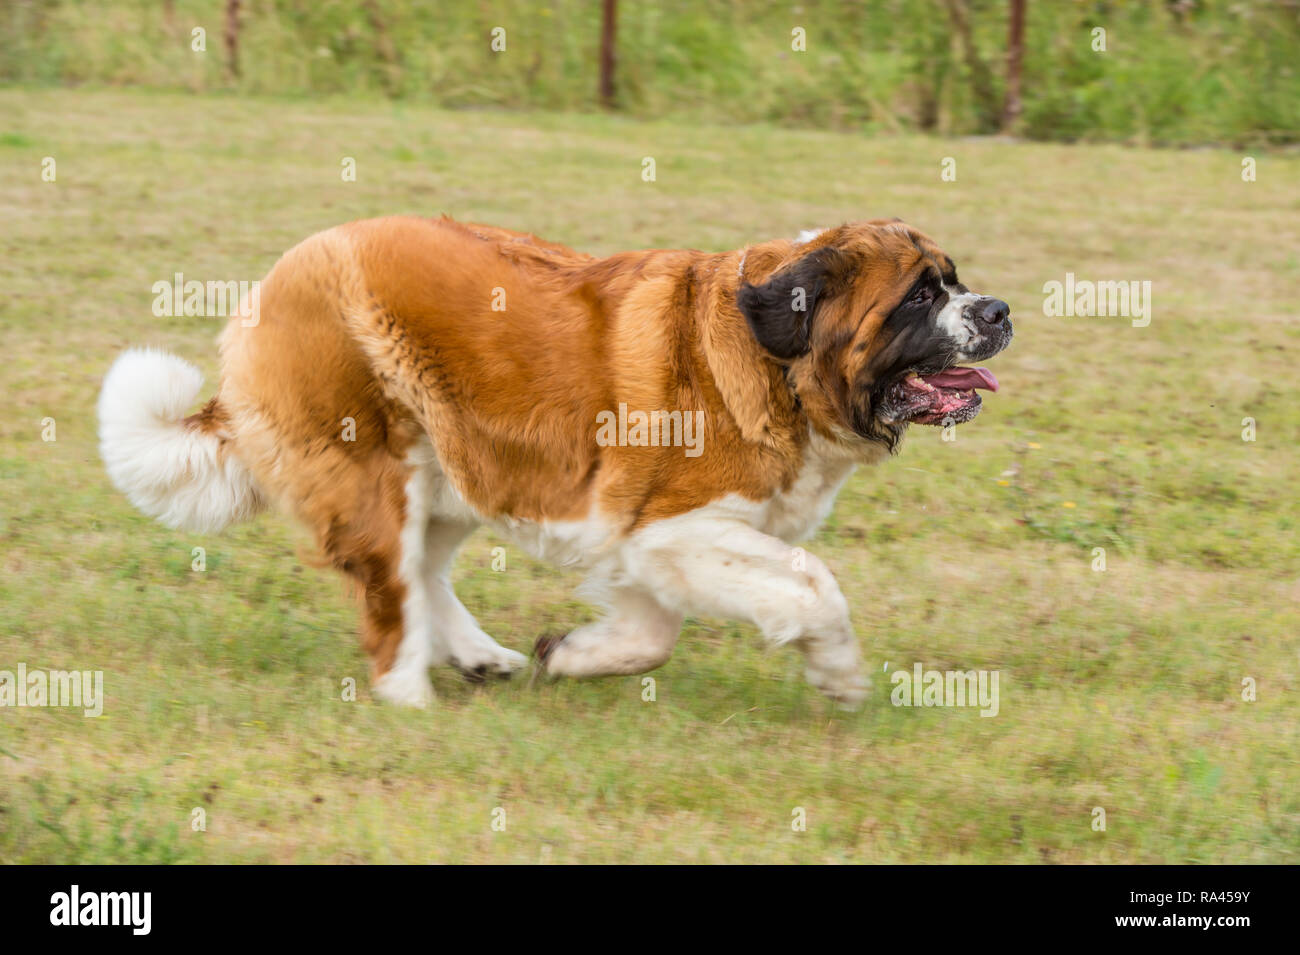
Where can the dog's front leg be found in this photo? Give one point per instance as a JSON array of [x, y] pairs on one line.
[[724, 567]]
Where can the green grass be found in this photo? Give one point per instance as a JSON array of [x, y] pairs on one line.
[[1119, 689]]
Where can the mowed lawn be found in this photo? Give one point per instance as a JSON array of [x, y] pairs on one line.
[[1120, 689]]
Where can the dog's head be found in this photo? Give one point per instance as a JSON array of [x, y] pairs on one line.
[[874, 327]]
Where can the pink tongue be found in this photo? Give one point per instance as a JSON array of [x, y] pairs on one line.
[[964, 378]]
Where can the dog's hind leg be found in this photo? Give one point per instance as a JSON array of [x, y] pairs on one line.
[[370, 540], [458, 639]]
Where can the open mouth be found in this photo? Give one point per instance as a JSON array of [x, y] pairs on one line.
[[944, 398]]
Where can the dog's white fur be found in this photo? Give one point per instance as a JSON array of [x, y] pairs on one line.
[[169, 471], [953, 321]]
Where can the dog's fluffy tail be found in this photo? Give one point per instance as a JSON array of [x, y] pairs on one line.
[[178, 469]]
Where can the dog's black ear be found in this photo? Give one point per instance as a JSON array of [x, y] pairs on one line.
[[780, 311]]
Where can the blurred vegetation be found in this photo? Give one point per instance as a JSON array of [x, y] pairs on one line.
[[1173, 71]]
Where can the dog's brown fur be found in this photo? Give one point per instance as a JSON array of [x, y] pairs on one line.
[[389, 323]]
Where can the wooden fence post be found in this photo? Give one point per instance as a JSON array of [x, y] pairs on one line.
[[608, 27], [232, 37], [1011, 107]]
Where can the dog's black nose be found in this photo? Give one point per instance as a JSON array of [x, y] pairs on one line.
[[994, 311]]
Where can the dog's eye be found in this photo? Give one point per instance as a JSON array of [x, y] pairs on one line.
[[922, 296]]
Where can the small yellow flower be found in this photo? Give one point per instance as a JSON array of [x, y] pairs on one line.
[[1034, 444], [1004, 483], [1067, 504]]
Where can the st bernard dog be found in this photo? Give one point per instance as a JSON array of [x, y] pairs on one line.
[[670, 421]]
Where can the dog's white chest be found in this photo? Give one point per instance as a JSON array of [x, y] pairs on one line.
[[797, 512]]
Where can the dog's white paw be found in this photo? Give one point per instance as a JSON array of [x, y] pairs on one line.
[[477, 656], [404, 686], [846, 689]]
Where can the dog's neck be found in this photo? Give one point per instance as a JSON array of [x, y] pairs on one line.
[[755, 264]]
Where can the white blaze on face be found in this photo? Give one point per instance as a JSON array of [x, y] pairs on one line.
[[951, 318]]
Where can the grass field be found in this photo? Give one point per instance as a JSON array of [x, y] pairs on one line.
[[1120, 689]]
